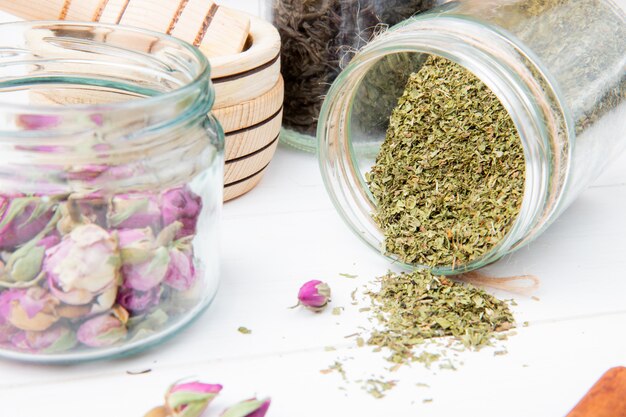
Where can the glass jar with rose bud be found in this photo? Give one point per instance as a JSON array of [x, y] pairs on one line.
[[110, 189]]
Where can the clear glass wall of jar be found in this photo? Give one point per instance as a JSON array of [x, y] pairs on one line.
[[557, 66], [110, 190], [319, 37]]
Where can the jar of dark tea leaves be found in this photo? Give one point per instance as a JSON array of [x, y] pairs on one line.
[[496, 115], [319, 37]]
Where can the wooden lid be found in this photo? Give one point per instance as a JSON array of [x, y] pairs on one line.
[[216, 30]]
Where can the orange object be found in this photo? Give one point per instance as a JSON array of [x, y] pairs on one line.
[[607, 398]]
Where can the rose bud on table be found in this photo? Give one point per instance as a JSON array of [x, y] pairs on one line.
[[190, 399], [248, 408], [314, 295]]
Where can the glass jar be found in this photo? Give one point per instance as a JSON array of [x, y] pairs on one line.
[[557, 66], [110, 189], [319, 38]]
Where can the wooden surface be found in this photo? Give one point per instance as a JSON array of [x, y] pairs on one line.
[[285, 232], [607, 398]]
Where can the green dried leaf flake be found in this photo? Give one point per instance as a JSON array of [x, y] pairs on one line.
[[244, 330]]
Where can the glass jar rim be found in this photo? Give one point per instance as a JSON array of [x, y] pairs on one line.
[[203, 74]]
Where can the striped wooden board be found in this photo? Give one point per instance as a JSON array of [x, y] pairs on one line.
[[216, 30]]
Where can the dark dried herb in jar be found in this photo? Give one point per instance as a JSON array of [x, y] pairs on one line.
[[449, 178], [319, 38]]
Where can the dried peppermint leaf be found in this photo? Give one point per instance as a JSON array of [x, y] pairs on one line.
[[415, 307], [449, 177], [244, 330]]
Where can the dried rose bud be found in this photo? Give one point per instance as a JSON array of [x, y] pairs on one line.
[[144, 262], [25, 264], [314, 295], [85, 173], [182, 205], [38, 121], [181, 272], [7, 332], [84, 268], [21, 219], [190, 399], [248, 408], [82, 210], [56, 339], [101, 331], [134, 211], [137, 302], [28, 309]]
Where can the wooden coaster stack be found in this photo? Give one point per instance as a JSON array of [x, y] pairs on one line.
[[244, 52]]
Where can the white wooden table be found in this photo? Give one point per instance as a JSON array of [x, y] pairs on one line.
[[286, 232]]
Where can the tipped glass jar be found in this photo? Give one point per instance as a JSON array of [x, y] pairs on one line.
[[110, 189], [319, 37], [556, 66]]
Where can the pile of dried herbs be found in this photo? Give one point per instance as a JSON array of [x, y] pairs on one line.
[[417, 306], [319, 38], [449, 177]]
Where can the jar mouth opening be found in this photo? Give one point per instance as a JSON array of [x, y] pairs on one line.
[[198, 76], [335, 132]]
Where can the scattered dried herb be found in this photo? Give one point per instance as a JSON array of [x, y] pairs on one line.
[[449, 178], [244, 330], [319, 38], [377, 388], [417, 306], [348, 276]]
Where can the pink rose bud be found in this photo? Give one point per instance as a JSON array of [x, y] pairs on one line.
[[56, 339], [7, 332], [21, 219], [181, 272], [134, 211], [248, 408], [38, 121], [90, 209], [144, 263], [182, 205], [102, 331], [28, 309], [314, 295], [25, 264], [190, 399], [85, 173], [137, 302], [84, 267]]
